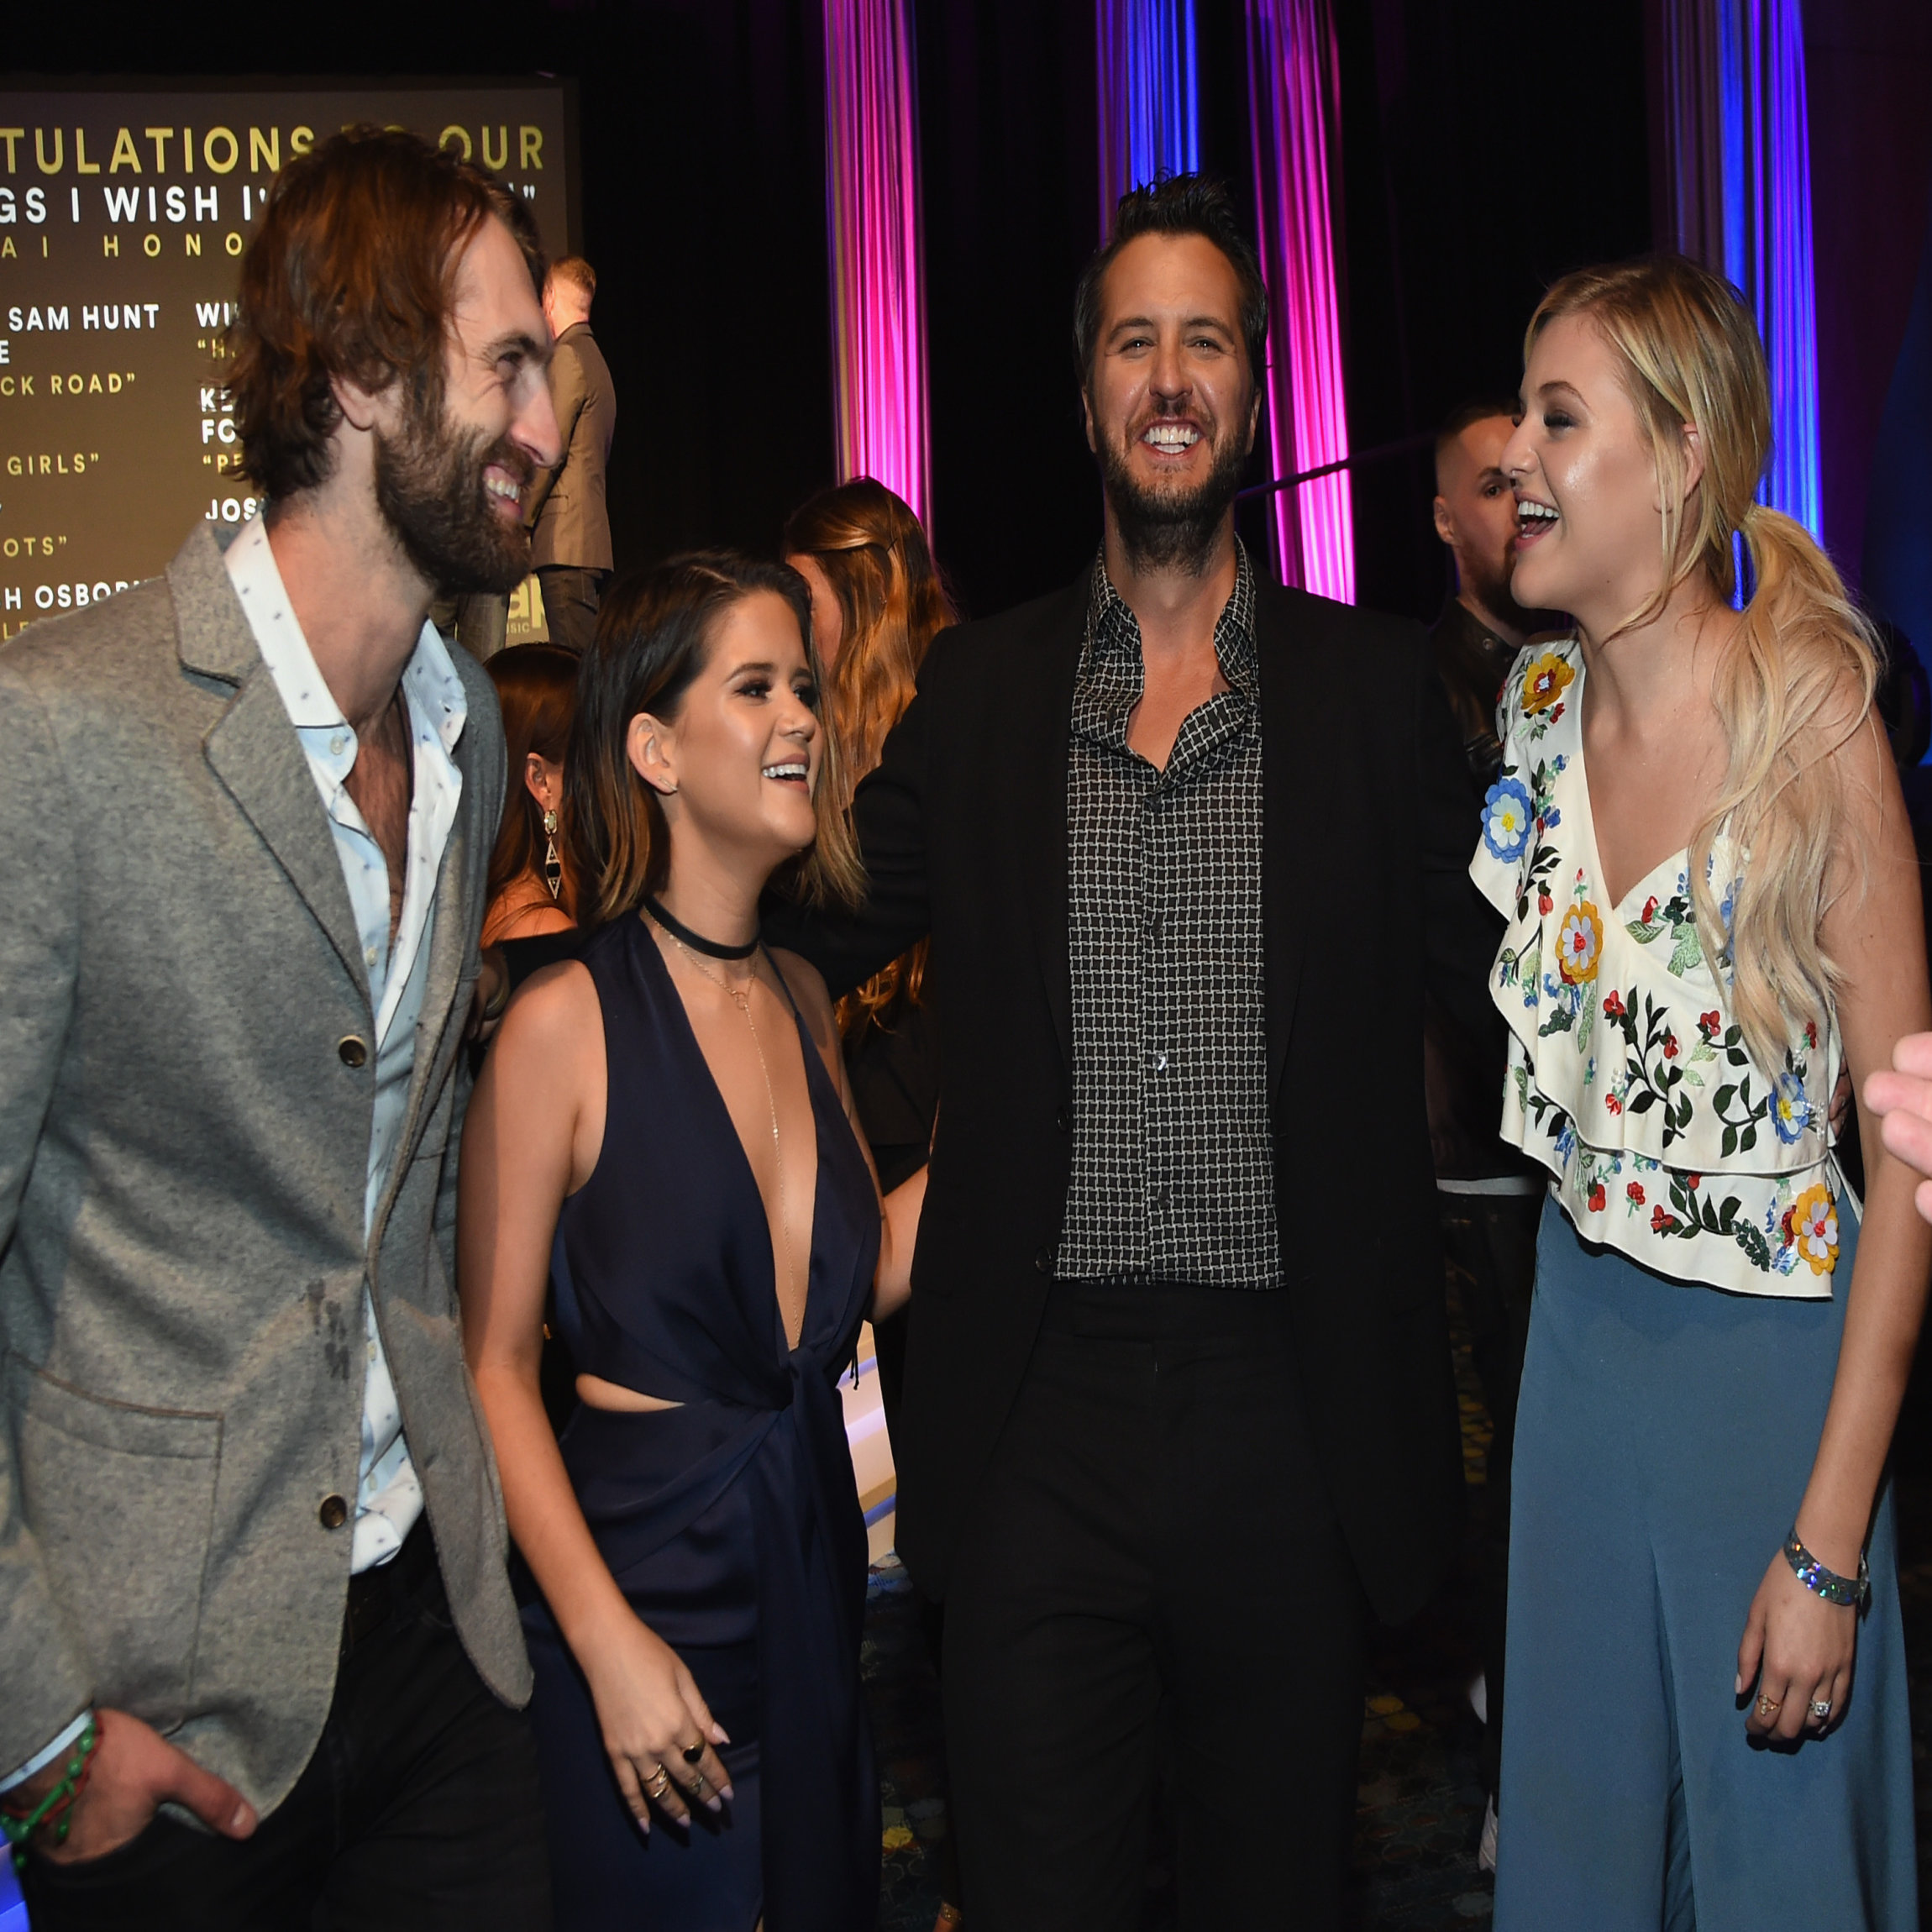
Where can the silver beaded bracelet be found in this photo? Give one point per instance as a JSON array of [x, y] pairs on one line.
[[1827, 1584]]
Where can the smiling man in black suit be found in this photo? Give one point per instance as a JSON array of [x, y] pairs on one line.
[[1178, 1402]]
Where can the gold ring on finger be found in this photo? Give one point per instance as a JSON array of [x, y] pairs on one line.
[[1769, 1706], [658, 1785]]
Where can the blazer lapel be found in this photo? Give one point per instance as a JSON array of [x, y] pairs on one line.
[[1041, 740], [253, 749], [1284, 778]]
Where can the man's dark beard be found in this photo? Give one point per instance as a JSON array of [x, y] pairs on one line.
[[1170, 530], [429, 488]]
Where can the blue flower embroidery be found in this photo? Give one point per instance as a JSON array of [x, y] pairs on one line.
[[1506, 818], [1551, 819], [1790, 1111]]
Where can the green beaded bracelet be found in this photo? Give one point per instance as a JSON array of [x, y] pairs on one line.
[[1827, 1584], [57, 1805]]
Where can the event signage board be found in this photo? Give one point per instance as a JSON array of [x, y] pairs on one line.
[[124, 215]]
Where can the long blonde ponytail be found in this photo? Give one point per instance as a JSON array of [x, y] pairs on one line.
[[1794, 680]]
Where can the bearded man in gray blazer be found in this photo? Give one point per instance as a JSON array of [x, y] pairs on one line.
[[252, 1549]]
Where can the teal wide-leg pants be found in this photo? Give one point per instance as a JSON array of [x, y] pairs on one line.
[[1664, 1435]]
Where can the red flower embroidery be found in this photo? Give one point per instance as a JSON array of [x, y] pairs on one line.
[[1649, 910], [1710, 1025], [1613, 1006], [1670, 1046], [1811, 1032], [1543, 901], [1662, 1223], [1693, 1183], [1556, 712], [1597, 1197], [1612, 1104], [1635, 1191]]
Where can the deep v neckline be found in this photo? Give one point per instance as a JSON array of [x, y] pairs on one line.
[[807, 1050], [1673, 863]]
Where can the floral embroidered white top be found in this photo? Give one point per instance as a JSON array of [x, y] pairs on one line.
[[1627, 1077]]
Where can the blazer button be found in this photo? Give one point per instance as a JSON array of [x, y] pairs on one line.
[[1043, 1261], [353, 1050], [333, 1513], [1063, 1120]]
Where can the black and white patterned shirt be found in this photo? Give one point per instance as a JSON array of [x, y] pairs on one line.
[[1172, 1166]]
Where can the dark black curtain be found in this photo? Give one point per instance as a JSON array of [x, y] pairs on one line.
[[1485, 151]]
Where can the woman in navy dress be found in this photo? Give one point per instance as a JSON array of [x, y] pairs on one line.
[[662, 1127]]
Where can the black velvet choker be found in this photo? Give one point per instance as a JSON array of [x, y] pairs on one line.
[[697, 942]]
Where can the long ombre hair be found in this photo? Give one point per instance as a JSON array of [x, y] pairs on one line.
[[654, 632], [891, 603], [1691, 354]]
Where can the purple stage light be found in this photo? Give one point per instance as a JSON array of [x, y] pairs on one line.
[[1149, 98], [873, 220], [1738, 157], [1294, 99]]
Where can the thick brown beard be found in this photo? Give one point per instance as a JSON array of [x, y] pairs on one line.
[[429, 488], [1170, 531]]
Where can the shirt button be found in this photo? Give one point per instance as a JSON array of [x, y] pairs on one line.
[[1160, 1063], [369, 955], [338, 743], [332, 1513], [352, 1050], [1063, 1120], [1160, 1197]]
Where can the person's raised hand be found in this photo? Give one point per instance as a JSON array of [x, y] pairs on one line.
[[1797, 1652], [658, 1733], [1903, 1100], [134, 1771]]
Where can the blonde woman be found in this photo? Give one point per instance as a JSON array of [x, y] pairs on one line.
[[1699, 842]]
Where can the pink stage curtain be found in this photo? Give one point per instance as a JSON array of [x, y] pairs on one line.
[[1293, 98], [873, 220]]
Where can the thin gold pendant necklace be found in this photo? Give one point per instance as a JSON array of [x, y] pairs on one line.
[[740, 997]]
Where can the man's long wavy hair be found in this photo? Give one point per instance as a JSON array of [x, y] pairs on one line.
[[351, 276], [654, 636], [1795, 680], [892, 603]]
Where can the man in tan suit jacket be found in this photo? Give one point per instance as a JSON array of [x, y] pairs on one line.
[[572, 545], [252, 1546]]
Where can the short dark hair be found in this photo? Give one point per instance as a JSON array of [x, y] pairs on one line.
[[351, 275], [1175, 205], [1467, 416], [579, 273]]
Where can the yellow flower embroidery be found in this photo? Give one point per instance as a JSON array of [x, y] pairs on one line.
[[1579, 943], [1815, 1228], [1546, 681]]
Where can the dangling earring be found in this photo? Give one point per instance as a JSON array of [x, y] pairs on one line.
[[552, 865]]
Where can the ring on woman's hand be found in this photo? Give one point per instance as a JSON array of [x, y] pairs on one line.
[[657, 1786], [1821, 1708], [692, 1753], [1767, 1706]]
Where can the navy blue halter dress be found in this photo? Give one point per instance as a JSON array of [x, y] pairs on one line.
[[732, 1524]]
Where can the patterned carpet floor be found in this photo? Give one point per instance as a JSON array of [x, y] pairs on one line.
[[1419, 1815]]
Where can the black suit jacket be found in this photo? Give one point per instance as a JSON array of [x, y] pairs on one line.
[[1367, 835]]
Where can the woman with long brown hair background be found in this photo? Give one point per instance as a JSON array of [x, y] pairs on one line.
[[1699, 844], [877, 602]]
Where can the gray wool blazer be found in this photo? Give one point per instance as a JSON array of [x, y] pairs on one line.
[[183, 1152]]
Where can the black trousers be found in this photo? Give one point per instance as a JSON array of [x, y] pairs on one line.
[[1154, 1581], [1491, 1241], [571, 596], [418, 1813]]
